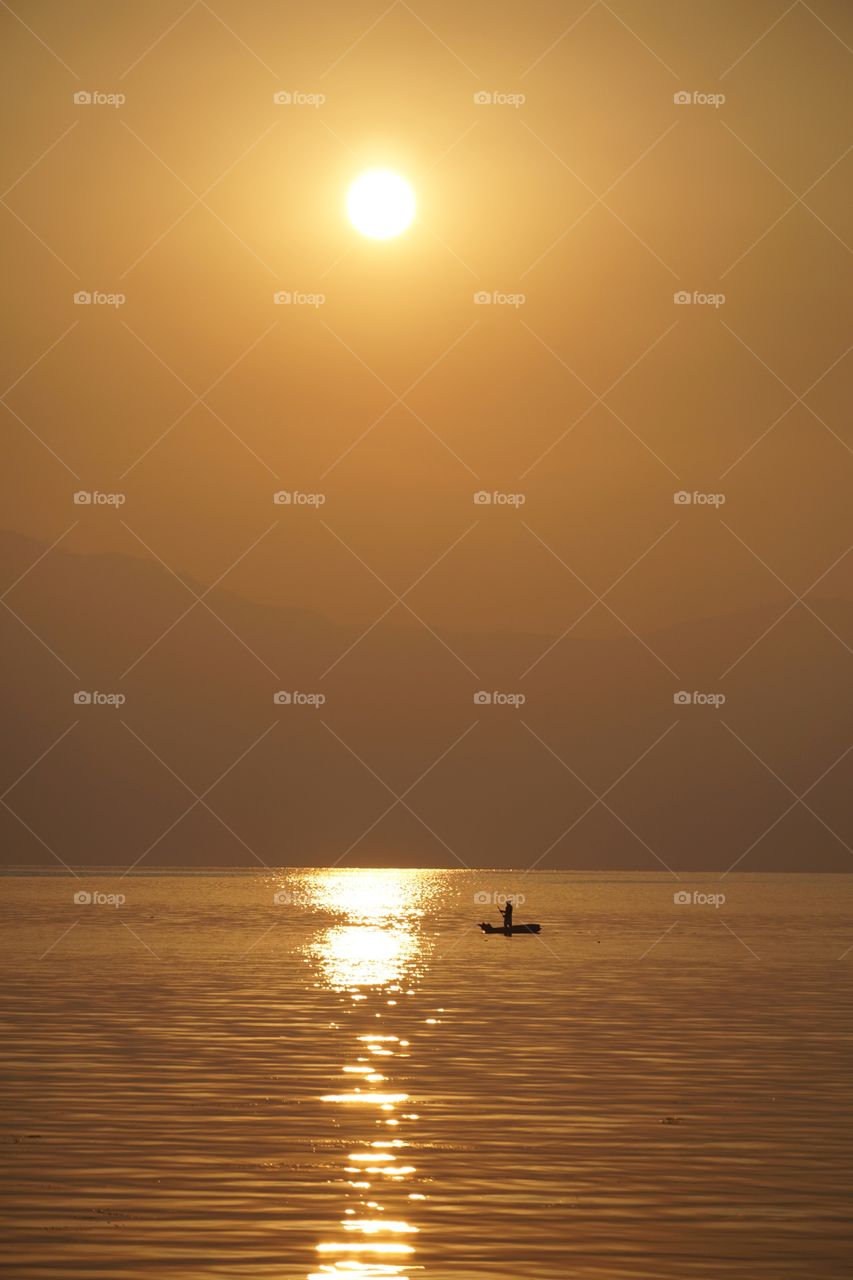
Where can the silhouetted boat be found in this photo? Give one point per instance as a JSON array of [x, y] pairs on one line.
[[516, 928]]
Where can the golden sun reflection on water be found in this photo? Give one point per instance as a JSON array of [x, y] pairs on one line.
[[374, 947], [371, 897], [378, 940], [363, 955]]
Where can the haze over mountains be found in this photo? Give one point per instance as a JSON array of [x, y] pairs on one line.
[[300, 784], [681, 151]]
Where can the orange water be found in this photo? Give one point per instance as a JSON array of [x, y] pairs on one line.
[[203, 1082]]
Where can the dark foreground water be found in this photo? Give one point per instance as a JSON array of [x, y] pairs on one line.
[[350, 1081]]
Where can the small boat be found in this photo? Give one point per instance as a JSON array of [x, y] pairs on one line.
[[515, 928]]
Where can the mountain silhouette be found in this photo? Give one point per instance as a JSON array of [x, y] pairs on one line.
[[697, 785]]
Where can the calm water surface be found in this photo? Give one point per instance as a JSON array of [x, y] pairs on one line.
[[320, 1074]]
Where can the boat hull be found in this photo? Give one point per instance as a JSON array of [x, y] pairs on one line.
[[516, 928]]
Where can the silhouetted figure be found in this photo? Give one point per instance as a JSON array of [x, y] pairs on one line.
[[507, 915]]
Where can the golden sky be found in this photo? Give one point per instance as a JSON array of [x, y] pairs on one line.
[[581, 196]]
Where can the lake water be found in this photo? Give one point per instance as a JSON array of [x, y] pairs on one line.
[[353, 1082]]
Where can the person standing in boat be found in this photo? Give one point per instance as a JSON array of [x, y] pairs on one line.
[[506, 912]]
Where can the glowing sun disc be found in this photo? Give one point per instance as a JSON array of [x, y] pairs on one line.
[[380, 204]]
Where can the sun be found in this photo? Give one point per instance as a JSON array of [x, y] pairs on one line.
[[380, 204]]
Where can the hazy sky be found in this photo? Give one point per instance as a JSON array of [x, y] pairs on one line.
[[581, 198]]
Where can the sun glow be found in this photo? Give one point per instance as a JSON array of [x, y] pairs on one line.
[[380, 204]]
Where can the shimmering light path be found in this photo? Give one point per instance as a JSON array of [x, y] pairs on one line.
[[336, 1075]]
